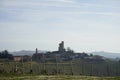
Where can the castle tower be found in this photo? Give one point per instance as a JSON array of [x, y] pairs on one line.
[[36, 51], [61, 47]]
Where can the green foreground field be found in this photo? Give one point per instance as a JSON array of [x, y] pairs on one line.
[[45, 77]]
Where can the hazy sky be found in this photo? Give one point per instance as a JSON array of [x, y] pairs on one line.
[[84, 25]]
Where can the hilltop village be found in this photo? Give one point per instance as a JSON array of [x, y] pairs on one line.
[[64, 55], [61, 55], [63, 61]]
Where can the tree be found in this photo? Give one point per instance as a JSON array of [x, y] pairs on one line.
[[0, 54], [91, 54], [70, 50], [5, 54]]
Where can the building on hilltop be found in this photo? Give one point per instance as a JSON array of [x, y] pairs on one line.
[[61, 47], [17, 58], [38, 56], [21, 58], [36, 51]]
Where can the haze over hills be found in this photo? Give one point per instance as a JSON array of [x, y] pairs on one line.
[[26, 52], [106, 54], [101, 53]]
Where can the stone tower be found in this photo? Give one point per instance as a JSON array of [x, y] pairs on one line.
[[61, 47], [36, 51]]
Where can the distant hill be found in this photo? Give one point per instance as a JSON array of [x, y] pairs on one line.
[[101, 53], [25, 52], [107, 54]]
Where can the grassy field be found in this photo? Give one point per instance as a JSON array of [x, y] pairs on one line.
[[59, 77]]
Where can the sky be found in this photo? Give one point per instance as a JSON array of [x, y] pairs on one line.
[[83, 25]]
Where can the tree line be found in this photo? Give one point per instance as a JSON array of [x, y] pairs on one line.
[[6, 55]]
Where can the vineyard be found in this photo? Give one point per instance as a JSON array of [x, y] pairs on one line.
[[66, 68]]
